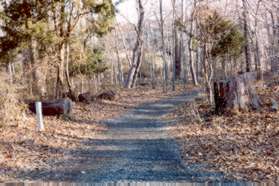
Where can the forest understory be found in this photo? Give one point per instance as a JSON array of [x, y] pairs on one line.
[[242, 145]]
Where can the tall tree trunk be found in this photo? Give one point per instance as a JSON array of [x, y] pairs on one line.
[[246, 35], [68, 79], [37, 65], [208, 74], [61, 55], [137, 51], [60, 71], [119, 67], [193, 69], [274, 38], [165, 84], [174, 41], [177, 57]]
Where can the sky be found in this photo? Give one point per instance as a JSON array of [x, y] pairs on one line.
[[128, 10]]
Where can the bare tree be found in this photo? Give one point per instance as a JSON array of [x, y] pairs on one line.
[[138, 49], [190, 48], [174, 42], [163, 50], [246, 35]]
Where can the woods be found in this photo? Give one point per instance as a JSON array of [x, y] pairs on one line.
[[73, 55], [75, 47]]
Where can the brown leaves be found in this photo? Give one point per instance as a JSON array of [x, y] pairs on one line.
[[243, 146]]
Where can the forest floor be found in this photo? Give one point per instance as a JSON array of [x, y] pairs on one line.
[[136, 146], [244, 146], [22, 149]]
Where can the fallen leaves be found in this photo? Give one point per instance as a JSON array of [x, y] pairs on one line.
[[57, 148], [243, 146]]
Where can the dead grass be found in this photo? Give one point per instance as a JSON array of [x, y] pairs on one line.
[[10, 108]]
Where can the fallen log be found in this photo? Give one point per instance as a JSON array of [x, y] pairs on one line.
[[53, 108], [107, 95], [236, 93]]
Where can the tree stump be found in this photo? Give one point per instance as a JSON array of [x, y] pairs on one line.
[[53, 108], [236, 93]]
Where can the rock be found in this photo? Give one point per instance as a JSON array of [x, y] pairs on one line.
[[85, 98], [107, 95], [256, 103], [274, 105]]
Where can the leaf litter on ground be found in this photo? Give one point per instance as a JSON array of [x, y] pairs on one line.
[[243, 146], [23, 149]]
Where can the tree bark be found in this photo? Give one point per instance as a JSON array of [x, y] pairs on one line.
[[137, 51], [161, 24], [246, 36], [236, 93], [190, 48], [174, 42]]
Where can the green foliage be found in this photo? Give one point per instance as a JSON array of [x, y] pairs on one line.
[[93, 63], [44, 22], [105, 18], [21, 20], [230, 44], [40, 31], [222, 34]]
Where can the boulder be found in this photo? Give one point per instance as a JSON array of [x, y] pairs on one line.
[[274, 105], [85, 98]]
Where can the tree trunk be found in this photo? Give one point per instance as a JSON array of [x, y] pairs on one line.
[[177, 57], [165, 84], [174, 43], [246, 36], [60, 72], [137, 51], [208, 74], [68, 79], [190, 48], [237, 93]]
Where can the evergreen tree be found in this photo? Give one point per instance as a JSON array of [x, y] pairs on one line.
[[49, 27]]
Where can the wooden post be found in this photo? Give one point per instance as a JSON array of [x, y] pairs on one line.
[[40, 124]]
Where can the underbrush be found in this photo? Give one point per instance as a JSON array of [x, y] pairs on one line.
[[11, 110]]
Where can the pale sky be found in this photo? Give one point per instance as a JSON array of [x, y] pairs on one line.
[[129, 11]]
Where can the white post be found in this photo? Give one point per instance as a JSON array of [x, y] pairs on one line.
[[40, 124]]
